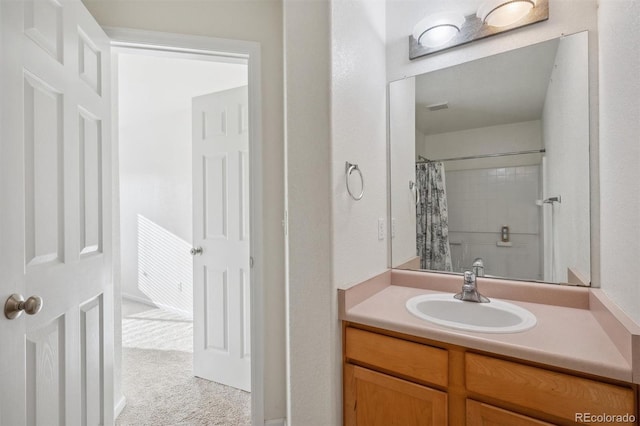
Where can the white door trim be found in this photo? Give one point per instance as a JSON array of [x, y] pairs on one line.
[[250, 51]]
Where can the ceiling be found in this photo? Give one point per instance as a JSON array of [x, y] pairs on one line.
[[500, 89]]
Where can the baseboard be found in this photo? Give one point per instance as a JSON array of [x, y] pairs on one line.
[[156, 305], [139, 299], [276, 422], [117, 410]]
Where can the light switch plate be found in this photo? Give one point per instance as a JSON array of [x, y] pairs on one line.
[[381, 228]]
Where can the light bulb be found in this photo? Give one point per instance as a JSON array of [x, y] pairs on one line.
[[436, 30], [501, 13]]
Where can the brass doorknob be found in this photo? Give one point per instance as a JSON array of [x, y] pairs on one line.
[[16, 304], [196, 251]]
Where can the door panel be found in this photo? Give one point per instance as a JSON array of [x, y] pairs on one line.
[[43, 24], [216, 297], [90, 182], [45, 381], [43, 179], [214, 181], [92, 346], [222, 351], [55, 186], [245, 314], [89, 62]]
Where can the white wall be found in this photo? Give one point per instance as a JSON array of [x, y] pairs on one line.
[[565, 133], [259, 21], [154, 115], [403, 135], [419, 135], [312, 392], [480, 202], [619, 27], [513, 137], [332, 48], [358, 135]]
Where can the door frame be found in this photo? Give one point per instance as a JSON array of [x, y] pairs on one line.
[[250, 51]]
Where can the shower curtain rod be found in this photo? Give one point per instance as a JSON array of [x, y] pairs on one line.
[[473, 157]]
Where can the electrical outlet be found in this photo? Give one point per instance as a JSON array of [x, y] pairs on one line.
[[381, 228]]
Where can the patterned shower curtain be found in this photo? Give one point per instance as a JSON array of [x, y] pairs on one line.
[[432, 221]]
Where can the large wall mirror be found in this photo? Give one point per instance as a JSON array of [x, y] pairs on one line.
[[490, 165]]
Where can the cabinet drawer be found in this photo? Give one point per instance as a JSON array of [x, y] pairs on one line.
[[479, 414], [421, 362], [550, 392]]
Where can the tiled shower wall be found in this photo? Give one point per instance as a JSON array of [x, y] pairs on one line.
[[480, 202]]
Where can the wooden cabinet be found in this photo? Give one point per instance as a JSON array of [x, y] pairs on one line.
[[557, 394], [395, 379], [480, 414], [400, 357], [377, 399]]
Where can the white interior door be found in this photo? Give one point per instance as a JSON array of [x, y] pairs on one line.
[[55, 189], [221, 228]]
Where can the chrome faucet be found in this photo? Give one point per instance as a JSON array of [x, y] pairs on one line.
[[469, 291], [478, 267]]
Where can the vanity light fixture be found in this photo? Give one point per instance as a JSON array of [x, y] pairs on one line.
[[437, 29], [444, 30], [502, 13]]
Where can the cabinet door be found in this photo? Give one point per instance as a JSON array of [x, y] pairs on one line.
[[479, 414], [376, 399]]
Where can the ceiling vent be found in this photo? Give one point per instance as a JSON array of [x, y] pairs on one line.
[[436, 107]]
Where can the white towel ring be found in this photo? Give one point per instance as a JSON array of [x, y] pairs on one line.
[[349, 169]]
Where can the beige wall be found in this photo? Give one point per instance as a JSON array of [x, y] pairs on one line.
[[259, 21], [619, 26]]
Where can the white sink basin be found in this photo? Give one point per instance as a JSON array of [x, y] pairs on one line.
[[494, 317]]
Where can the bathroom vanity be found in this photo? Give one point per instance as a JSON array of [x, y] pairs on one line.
[[515, 203], [574, 365]]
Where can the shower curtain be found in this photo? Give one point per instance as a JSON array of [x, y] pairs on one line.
[[432, 220]]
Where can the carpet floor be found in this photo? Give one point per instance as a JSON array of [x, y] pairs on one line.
[[158, 382], [157, 329]]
